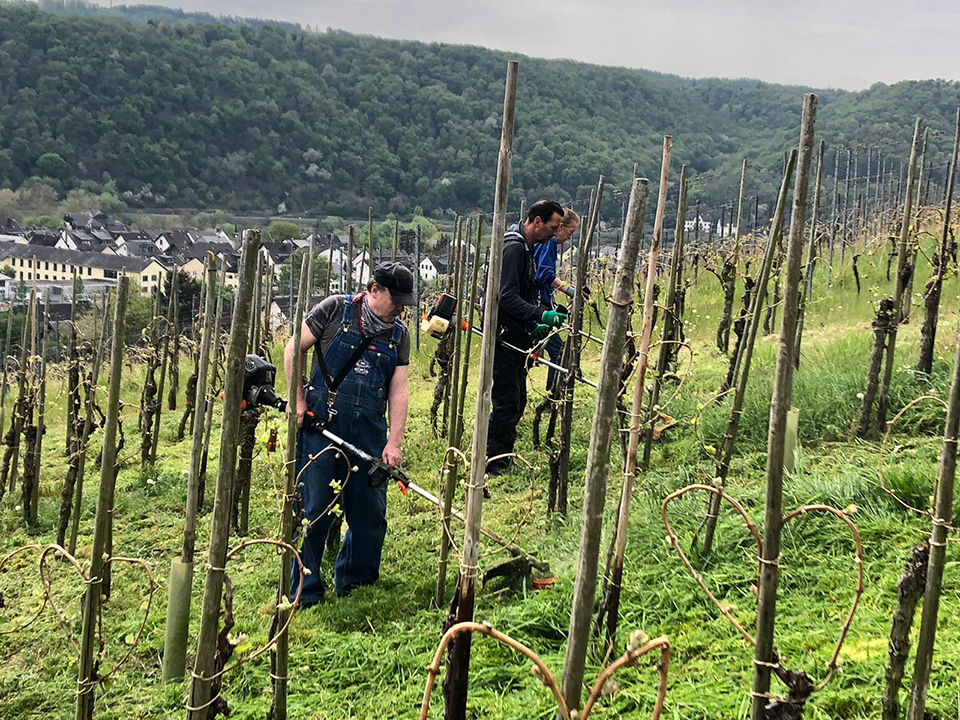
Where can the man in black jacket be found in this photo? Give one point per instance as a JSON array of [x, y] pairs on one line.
[[520, 322]]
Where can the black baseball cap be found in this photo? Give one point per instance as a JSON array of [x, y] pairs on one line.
[[398, 279]]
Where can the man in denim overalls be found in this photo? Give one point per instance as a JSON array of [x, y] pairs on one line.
[[375, 382]]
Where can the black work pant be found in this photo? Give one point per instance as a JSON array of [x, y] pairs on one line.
[[509, 398]]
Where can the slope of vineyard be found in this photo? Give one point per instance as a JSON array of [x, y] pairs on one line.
[[364, 656]]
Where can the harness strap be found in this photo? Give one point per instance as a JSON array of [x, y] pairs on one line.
[[334, 382]]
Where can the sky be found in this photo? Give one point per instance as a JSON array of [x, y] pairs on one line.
[[849, 44]]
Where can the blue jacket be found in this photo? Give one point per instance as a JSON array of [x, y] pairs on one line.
[[546, 255]]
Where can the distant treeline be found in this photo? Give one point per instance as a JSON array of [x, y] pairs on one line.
[[195, 111]]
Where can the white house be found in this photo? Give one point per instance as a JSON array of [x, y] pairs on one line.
[[726, 230], [691, 225], [428, 271], [361, 270]]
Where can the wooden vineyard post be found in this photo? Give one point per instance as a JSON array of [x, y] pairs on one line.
[[464, 375], [833, 217], [207, 418], [458, 658], [561, 469], [729, 272], [326, 290], [942, 519], [27, 408], [669, 336], [450, 473], [601, 438], [279, 659], [41, 409], [611, 604], [904, 270], [779, 407], [164, 355], [807, 287], [73, 377], [349, 263], [416, 289], [913, 245], [174, 352], [396, 240], [89, 658], [4, 381], [78, 463], [11, 453], [250, 416], [370, 241], [181, 570], [933, 290], [199, 701]]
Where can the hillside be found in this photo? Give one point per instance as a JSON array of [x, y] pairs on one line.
[[209, 114]]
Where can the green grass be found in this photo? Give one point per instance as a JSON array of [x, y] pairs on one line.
[[364, 656]]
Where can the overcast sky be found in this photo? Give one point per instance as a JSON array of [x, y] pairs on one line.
[[820, 43]]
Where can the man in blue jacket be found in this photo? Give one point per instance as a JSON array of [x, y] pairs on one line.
[[520, 321], [548, 282]]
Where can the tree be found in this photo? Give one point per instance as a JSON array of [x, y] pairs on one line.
[[52, 165], [280, 230], [8, 271]]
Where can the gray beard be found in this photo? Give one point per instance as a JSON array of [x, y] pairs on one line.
[[372, 324]]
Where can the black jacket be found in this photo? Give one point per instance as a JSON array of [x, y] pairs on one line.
[[519, 312]]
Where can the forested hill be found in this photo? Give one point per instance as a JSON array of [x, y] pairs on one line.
[[238, 116]]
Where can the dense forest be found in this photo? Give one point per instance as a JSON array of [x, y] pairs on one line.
[[167, 109]]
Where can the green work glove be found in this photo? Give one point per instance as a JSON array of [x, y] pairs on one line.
[[553, 318], [541, 332]]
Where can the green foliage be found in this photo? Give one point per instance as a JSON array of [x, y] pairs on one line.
[[196, 113], [215, 218], [8, 271], [280, 230], [44, 221]]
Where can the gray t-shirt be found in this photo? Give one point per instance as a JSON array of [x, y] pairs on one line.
[[324, 320]]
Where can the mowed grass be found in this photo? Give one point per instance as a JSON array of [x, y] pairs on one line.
[[365, 656]]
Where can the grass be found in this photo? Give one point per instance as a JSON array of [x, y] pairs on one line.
[[364, 656]]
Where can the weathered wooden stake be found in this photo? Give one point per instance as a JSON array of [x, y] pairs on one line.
[[198, 707], [601, 438], [349, 263], [904, 271], [89, 659], [942, 520], [279, 659], [3, 382], [164, 347], [174, 352], [212, 394], [670, 334], [806, 289], [933, 290], [79, 463], [458, 657], [741, 373], [779, 406], [181, 571], [567, 382], [370, 240]]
